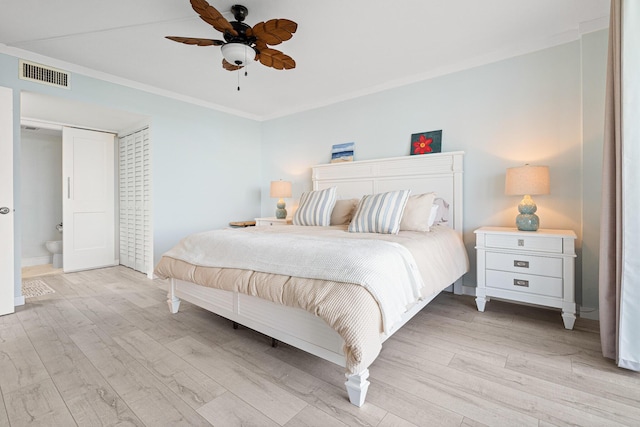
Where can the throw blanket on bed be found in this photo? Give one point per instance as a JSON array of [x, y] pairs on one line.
[[386, 269]]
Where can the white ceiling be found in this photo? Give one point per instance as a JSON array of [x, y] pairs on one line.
[[342, 48]]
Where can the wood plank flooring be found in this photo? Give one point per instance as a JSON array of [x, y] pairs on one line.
[[104, 350]]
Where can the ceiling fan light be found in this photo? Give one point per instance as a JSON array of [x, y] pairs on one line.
[[238, 53]]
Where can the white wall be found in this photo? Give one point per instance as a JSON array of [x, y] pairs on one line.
[[41, 189], [526, 109]]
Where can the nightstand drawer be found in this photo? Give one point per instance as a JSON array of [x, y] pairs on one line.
[[528, 243], [261, 222], [541, 285], [525, 264]]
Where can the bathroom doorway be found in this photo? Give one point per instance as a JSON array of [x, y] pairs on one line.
[[41, 194]]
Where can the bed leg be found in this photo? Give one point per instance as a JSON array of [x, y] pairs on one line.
[[357, 386], [172, 300], [235, 325]]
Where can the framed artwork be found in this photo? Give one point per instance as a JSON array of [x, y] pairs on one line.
[[342, 152], [426, 142]]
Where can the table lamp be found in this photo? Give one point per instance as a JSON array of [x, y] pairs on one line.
[[526, 181], [281, 189]]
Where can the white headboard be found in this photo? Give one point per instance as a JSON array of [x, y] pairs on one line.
[[439, 172]]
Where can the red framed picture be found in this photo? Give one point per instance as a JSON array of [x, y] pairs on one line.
[[426, 142]]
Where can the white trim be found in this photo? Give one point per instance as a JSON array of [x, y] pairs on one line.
[[28, 121], [41, 260], [74, 68], [18, 301], [499, 55], [469, 290], [594, 25], [589, 313]]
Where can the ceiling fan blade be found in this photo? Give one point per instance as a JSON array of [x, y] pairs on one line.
[[275, 31], [195, 41], [210, 15], [276, 59], [229, 66]]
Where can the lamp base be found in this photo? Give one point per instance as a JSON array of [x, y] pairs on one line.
[[528, 222], [281, 212]]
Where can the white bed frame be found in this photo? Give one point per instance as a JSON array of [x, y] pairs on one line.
[[441, 172]]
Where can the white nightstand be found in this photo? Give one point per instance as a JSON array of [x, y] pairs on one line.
[[272, 221], [535, 267]]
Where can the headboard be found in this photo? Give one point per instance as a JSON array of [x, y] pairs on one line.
[[438, 172]]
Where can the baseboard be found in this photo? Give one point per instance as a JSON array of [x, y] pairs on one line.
[[589, 313], [41, 260], [469, 290], [18, 301]]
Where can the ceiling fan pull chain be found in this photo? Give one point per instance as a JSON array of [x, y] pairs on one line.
[[238, 79]]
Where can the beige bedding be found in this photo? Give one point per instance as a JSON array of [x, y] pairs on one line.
[[347, 308]]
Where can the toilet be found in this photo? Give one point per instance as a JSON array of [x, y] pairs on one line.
[[55, 247]]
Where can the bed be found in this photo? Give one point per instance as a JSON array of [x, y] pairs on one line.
[[335, 318]]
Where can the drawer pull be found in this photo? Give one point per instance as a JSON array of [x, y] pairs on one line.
[[523, 264], [520, 242], [518, 282]]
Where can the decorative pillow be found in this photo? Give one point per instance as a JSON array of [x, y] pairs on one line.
[[442, 216], [315, 207], [343, 211], [434, 214], [380, 213], [416, 214]]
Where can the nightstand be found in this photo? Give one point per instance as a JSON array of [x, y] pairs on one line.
[[272, 221], [535, 267]]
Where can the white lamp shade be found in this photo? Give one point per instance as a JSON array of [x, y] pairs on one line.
[[527, 179], [280, 189], [238, 53]]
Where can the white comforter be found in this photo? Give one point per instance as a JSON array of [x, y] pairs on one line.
[[386, 269]]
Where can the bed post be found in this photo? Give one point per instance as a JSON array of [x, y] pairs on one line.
[[172, 300], [357, 386]]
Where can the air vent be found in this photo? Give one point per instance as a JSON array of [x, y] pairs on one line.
[[42, 74]]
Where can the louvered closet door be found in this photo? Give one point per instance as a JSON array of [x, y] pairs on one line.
[[135, 201]]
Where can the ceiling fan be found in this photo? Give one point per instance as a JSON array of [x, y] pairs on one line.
[[243, 43]]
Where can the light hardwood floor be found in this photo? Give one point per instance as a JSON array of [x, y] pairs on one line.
[[104, 350]]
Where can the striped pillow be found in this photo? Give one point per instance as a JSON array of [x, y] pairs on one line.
[[315, 207], [380, 213]]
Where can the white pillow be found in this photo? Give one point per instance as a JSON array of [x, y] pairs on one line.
[[343, 211], [442, 214], [380, 213], [315, 207], [434, 214], [417, 213]]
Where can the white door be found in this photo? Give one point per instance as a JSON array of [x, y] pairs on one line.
[[135, 201], [88, 199], [7, 293]]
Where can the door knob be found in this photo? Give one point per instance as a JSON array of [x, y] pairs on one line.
[[4, 210]]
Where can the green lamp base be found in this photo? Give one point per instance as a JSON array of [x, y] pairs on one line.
[[281, 212], [527, 220]]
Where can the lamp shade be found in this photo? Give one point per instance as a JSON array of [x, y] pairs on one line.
[[238, 53], [527, 179], [280, 189]]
